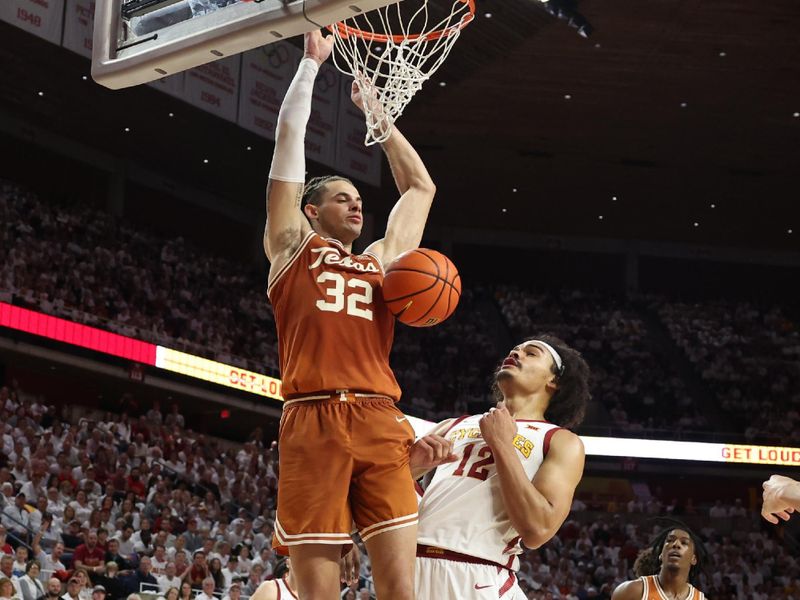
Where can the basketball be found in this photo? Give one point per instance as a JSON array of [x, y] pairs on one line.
[[422, 287]]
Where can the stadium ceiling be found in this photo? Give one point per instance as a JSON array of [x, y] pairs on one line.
[[674, 121]]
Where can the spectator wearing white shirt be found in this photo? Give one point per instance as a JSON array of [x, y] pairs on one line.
[[235, 592], [6, 562], [29, 584], [230, 571], [208, 590], [20, 561], [34, 488], [718, 511], [37, 514], [16, 518], [49, 563], [169, 579], [73, 589], [54, 504], [159, 560]]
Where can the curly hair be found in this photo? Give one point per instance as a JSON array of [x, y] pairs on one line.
[[649, 560], [567, 407], [312, 191]]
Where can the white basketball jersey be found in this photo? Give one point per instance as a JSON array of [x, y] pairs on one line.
[[284, 593], [462, 508]]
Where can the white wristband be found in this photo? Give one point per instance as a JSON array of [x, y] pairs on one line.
[[288, 160]]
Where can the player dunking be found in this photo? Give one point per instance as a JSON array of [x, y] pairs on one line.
[[513, 478], [344, 446], [667, 569]]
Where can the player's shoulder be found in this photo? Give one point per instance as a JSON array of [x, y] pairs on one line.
[[268, 590], [563, 441], [629, 590]]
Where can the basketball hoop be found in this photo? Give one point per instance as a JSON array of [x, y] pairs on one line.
[[393, 50]]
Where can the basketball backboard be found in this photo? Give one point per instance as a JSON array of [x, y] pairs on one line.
[[137, 41]]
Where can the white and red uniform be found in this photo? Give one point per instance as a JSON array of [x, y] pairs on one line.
[[468, 548]]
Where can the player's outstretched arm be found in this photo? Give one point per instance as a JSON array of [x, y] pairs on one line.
[[538, 508], [780, 499], [286, 226], [408, 217], [630, 590]]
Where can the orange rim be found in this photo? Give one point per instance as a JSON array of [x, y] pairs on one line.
[[345, 30]]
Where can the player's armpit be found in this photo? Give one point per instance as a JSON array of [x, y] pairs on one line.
[[630, 590]]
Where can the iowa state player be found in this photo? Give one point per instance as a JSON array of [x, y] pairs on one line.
[[513, 479], [344, 446]]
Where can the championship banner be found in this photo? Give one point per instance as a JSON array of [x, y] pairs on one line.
[[78, 26], [214, 87], [39, 17], [321, 131], [266, 75], [353, 158]]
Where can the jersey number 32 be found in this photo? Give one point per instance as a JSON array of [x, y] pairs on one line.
[[357, 295]]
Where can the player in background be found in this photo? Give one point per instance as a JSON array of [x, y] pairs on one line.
[[780, 499], [668, 569], [344, 446], [513, 479], [282, 587]]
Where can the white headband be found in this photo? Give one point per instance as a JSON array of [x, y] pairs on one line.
[[556, 356]]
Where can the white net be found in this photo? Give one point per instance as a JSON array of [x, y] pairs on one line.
[[393, 50]]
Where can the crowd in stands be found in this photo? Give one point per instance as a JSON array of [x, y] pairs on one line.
[[631, 377], [122, 506], [748, 355], [130, 504], [82, 264]]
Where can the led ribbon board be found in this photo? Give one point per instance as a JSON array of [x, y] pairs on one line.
[[84, 336], [113, 344]]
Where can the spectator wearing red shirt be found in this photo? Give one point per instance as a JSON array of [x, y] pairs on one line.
[[5, 547], [135, 484], [89, 555], [198, 571]]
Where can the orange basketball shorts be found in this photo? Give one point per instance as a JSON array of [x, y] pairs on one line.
[[343, 466]]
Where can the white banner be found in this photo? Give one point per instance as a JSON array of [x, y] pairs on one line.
[[321, 131], [78, 26], [214, 87], [266, 75], [39, 17], [353, 158]]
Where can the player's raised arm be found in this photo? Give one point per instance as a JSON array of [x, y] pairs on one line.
[[408, 217], [286, 226], [536, 509]]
